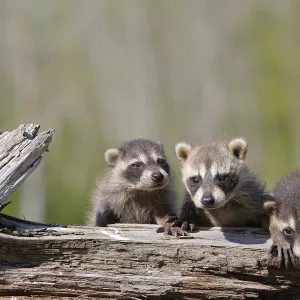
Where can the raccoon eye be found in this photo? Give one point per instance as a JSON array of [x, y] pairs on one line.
[[195, 179], [162, 162], [288, 231], [222, 177], [136, 165]]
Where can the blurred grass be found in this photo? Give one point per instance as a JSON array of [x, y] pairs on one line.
[[273, 88], [100, 72]]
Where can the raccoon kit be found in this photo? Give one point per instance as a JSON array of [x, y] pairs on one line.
[[220, 188], [284, 214], [137, 188]]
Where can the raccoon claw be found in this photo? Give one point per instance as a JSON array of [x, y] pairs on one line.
[[192, 227], [286, 258], [283, 255], [186, 226], [279, 257], [170, 229], [175, 231]]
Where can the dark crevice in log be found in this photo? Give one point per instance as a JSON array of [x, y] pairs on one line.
[[14, 224]]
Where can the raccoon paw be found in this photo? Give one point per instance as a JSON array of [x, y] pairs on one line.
[[170, 229], [188, 226]]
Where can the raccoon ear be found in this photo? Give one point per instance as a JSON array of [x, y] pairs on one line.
[[111, 156], [160, 144], [270, 207], [183, 150], [238, 147]]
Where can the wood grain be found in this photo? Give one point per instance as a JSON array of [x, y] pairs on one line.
[[126, 261], [21, 152]]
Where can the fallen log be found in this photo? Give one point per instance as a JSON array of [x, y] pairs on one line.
[[134, 262], [125, 261]]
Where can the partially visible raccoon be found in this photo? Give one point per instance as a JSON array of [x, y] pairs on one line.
[[220, 188], [137, 188], [285, 219]]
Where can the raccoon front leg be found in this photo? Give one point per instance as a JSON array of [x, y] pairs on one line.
[[107, 217], [188, 215], [103, 215]]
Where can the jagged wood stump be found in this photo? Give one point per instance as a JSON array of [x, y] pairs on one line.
[[134, 262], [21, 152]]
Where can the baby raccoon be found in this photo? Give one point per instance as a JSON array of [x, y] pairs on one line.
[[221, 190], [137, 188], [284, 219]]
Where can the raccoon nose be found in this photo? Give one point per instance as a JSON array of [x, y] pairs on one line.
[[157, 176], [208, 199]]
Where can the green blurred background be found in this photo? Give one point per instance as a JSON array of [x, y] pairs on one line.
[[102, 71]]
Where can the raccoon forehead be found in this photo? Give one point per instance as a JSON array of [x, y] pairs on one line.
[[190, 170], [142, 146], [216, 168], [155, 156], [145, 158], [281, 223], [212, 151], [130, 159], [145, 154], [214, 163], [207, 154], [223, 167]]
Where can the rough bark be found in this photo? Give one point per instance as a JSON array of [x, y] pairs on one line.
[[134, 262], [21, 152], [125, 261]]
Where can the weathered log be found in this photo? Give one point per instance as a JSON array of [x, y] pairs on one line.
[[21, 152], [125, 261], [134, 262]]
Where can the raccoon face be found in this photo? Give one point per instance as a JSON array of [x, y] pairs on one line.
[[284, 227], [210, 172], [140, 164]]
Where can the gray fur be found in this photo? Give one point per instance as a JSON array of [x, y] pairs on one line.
[[287, 196], [116, 200], [285, 213], [242, 206]]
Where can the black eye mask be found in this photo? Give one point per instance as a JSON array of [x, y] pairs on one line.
[[194, 183], [226, 182], [134, 172], [162, 162]]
